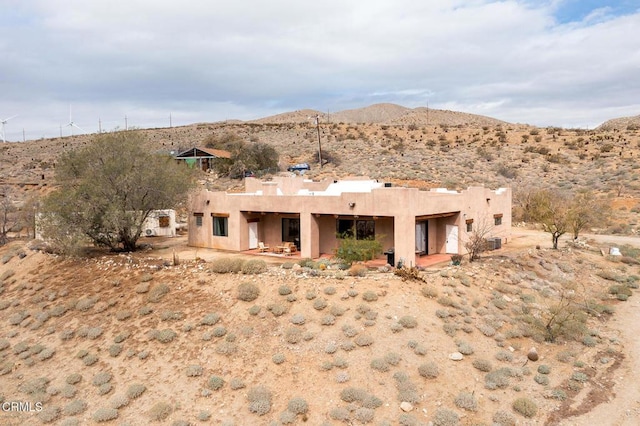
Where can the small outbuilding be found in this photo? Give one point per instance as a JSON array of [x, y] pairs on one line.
[[203, 158]]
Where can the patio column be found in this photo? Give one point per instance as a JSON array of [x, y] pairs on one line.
[[404, 239], [309, 236]]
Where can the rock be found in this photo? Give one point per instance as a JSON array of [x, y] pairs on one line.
[[456, 356], [533, 354], [406, 406]]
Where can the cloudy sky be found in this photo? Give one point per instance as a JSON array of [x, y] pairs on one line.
[[571, 63]]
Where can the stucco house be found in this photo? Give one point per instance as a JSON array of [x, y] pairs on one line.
[[311, 214]]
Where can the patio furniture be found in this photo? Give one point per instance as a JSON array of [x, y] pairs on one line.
[[262, 247], [278, 249], [290, 246]]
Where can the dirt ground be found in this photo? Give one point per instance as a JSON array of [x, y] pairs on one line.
[[332, 350]]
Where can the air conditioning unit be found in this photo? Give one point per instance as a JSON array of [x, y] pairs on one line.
[[497, 244], [149, 232], [490, 244]]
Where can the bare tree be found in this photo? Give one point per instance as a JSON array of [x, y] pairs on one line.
[[477, 239], [7, 213]]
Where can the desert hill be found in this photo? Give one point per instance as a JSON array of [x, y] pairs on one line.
[[622, 123], [386, 113], [139, 340]]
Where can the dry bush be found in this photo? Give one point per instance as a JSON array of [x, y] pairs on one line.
[[254, 267], [75, 407], [248, 292], [104, 414], [525, 406], [358, 270], [135, 390], [160, 411], [259, 400], [215, 383], [157, 292], [225, 265]]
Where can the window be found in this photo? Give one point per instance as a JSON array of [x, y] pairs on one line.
[[364, 229], [469, 225], [198, 217], [497, 219], [290, 229], [163, 221], [220, 226]]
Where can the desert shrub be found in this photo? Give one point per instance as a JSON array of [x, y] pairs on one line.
[[504, 356], [445, 417], [392, 358], [169, 315], [579, 377], [157, 292], [465, 348], [541, 379], [284, 290], [328, 320], [215, 382], [160, 411], [49, 414], [407, 391], [164, 336], [73, 378], [525, 406], [329, 291], [310, 295], [347, 346], [340, 414], [68, 391], [298, 319], [204, 416], [76, 406], [429, 292], [466, 401], [135, 390], [544, 369], [319, 304], [46, 354], [248, 292], [219, 331], [278, 358], [123, 315], [119, 401], [364, 340], [408, 321], [352, 394], [369, 296], [210, 319], [141, 288], [86, 303], [94, 332], [428, 370], [226, 348], [357, 270], [379, 364], [194, 371], [101, 378], [104, 414], [482, 365], [498, 378], [226, 265], [90, 359], [254, 267], [298, 406], [502, 418], [236, 383], [293, 335], [145, 310], [259, 400], [364, 415], [287, 417]]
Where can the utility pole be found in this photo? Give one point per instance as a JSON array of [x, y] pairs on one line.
[[170, 124], [126, 123], [319, 145], [99, 125], [24, 137]]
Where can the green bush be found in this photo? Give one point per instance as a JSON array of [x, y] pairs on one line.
[[352, 250]]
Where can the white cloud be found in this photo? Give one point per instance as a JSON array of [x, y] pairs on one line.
[[244, 59]]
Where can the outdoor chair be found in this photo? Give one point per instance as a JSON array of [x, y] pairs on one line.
[[262, 248]]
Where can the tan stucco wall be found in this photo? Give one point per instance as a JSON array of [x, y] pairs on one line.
[[395, 208]]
